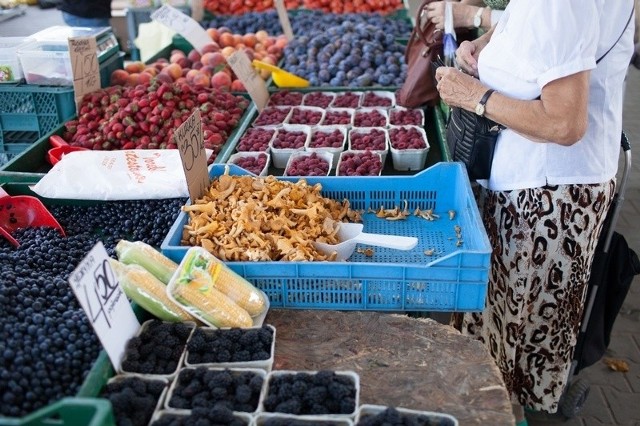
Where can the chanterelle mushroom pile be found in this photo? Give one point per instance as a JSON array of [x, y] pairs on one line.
[[263, 218]]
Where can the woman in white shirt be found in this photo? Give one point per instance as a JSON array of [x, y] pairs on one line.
[[552, 177]]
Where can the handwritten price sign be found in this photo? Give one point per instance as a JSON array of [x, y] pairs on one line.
[[256, 87], [100, 295], [85, 66], [184, 25], [190, 143]]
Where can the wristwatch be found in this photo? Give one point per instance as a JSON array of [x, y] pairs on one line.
[[477, 20], [483, 101]]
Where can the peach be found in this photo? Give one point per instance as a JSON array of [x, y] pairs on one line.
[[135, 66], [202, 80], [194, 55], [175, 57], [211, 47], [249, 39], [119, 77], [237, 86], [196, 65], [227, 51], [226, 40], [145, 77], [221, 80], [184, 62], [262, 35], [213, 33], [281, 42], [213, 59], [208, 70], [174, 70], [151, 70], [133, 79], [237, 39], [191, 74], [164, 77]]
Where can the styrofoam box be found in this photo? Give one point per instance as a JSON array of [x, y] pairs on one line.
[[280, 156], [163, 394], [274, 373], [246, 418], [10, 68], [383, 111], [307, 97], [335, 152], [264, 364], [434, 417], [399, 108], [383, 94], [256, 371], [305, 108], [46, 63], [350, 111], [409, 159], [342, 154], [168, 376], [261, 419], [234, 157], [288, 109], [367, 130], [268, 128], [341, 94], [327, 156]]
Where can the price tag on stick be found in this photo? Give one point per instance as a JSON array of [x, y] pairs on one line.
[[95, 285], [284, 19], [84, 65], [190, 143], [255, 85], [188, 28]]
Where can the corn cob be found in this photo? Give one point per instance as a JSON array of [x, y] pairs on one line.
[[147, 291], [140, 253], [211, 305]]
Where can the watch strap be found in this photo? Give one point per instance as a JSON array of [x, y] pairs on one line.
[[485, 98]]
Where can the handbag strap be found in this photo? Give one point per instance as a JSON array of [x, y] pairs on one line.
[[633, 8], [420, 30]]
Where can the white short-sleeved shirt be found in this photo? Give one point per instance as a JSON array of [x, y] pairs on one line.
[[536, 42]]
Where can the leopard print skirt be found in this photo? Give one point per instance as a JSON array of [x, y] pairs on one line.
[[543, 243]]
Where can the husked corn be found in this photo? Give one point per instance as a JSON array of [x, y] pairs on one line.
[[212, 305], [237, 288]]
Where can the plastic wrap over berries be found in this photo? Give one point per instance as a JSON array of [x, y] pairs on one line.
[[353, 55], [47, 345], [307, 21]]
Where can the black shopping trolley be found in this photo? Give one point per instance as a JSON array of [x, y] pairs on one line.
[[613, 269]]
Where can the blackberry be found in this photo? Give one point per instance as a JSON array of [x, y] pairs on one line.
[[231, 345], [133, 399]]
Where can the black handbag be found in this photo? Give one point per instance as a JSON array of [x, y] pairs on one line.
[[472, 140]]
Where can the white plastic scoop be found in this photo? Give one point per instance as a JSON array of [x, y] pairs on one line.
[[351, 234]]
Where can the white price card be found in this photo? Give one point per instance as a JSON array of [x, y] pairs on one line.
[[190, 141], [284, 19], [84, 65], [103, 300], [182, 24], [255, 85]]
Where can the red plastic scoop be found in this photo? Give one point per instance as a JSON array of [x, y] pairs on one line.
[[23, 211], [60, 147]]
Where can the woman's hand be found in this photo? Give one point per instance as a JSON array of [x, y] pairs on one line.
[[467, 57], [458, 89], [462, 14]]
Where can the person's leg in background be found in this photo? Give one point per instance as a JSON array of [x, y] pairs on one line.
[[77, 21]]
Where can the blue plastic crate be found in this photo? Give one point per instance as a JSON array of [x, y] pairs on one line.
[[453, 279]]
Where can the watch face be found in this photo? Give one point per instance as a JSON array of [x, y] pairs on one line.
[[477, 21], [480, 109]]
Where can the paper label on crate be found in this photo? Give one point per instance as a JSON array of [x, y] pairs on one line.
[[184, 25], [255, 85], [190, 141], [103, 300], [84, 65], [284, 19]]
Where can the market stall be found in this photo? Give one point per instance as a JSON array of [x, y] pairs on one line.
[[345, 150]]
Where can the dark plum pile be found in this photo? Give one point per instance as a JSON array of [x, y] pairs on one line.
[[289, 139], [305, 116], [392, 417], [255, 139], [47, 344], [334, 117], [133, 399], [363, 163], [373, 118], [286, 98], [317, 99], [406, 138], [216, 415], [307, 21], [229, 345], [272, 115], [202, 388], [324, 392], [353, 55], [374, 140], [253, 164], [404, 117], [333, 139], [308, 165]]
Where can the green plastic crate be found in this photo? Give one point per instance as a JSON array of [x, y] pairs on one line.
[[68, 412]]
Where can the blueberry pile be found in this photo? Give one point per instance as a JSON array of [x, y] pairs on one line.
[[324, 392], [218, 415], [392, 417], [158, 348], [305, 22], [202, 387], [133, 399], [47, 344], [353, 55], [230, 345]]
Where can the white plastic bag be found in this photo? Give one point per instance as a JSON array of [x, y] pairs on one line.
[[136, 174]]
